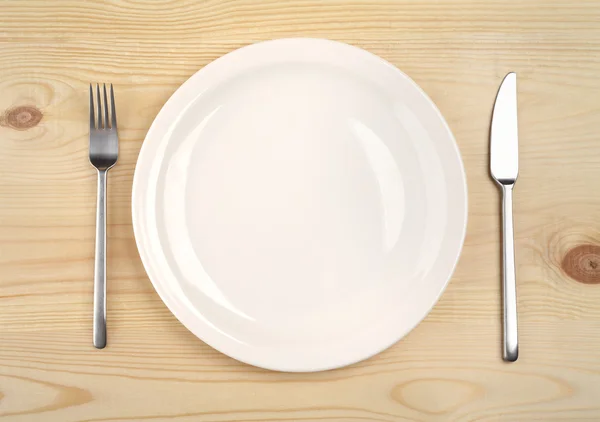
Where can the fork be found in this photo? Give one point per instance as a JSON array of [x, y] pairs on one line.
[[104, 150]]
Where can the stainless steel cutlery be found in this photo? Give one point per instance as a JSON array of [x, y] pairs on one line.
[[104, 150], [504, 166]]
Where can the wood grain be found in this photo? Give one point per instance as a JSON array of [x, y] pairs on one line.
[[449, 368]]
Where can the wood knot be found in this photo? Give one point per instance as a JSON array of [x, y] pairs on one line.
[[21, 117], [582, 264]]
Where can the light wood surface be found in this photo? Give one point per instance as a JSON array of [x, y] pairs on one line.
[[449, 368]]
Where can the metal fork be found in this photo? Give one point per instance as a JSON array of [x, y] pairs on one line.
[[104, 150]]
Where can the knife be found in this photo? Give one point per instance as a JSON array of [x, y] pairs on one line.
[[504, 166]]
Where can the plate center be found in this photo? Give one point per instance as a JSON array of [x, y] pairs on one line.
[[290, 206]]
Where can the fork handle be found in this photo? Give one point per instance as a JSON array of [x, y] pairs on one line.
[[509, 285], [100, 265]]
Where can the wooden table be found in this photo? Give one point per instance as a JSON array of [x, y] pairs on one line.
[[447, 369]]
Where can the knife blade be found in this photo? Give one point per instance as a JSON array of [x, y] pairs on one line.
[[504, 166], [504, 135]]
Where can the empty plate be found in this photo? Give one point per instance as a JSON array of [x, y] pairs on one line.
[[299, 204]]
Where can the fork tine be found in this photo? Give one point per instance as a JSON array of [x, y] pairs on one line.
[[92, 115], [105, 108], [113, 113], [100, 125]]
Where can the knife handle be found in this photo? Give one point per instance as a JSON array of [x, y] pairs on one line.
[[509, 285]]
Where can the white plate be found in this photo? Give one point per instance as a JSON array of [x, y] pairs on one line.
[[299, 204]]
